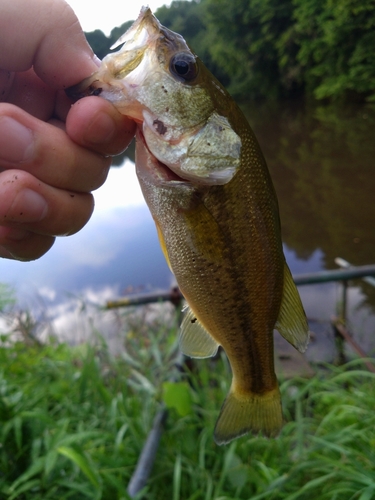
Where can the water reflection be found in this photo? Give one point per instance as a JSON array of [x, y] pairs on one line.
[[117, 249], [322, 164]]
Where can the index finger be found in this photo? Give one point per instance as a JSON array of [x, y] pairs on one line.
[[45, 34]]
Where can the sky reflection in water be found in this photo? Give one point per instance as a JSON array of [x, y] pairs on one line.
[[118, 248]]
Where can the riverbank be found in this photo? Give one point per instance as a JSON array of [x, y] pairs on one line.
[[74, 419]]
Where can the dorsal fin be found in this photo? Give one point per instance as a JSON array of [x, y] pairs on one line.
[[292, 322], [195, 341]]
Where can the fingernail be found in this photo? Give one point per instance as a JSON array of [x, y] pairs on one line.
[[28, 206], [16, 141], [101, 129]]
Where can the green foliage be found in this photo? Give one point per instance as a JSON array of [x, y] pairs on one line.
[[253, 42], [101, 44], [7, 297], [177, 395], [337, 46], [73, 422], [273, 48]]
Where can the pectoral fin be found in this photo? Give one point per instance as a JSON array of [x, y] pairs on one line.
[[195, 341], [292, 322]]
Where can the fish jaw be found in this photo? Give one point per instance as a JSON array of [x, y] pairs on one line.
[[193, 154]]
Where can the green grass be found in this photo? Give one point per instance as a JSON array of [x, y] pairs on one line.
[[73, 421]]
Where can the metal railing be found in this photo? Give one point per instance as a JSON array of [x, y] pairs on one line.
[[343, 275]]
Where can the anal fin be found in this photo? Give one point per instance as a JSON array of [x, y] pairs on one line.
[[195, 341], [292, 322]]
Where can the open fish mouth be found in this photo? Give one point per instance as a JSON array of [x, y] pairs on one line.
[[151, 166]]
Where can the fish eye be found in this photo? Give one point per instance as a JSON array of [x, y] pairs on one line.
[[184, 66]]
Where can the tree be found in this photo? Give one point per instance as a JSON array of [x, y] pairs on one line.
[[99, 42], [252, 41], [337, 46]]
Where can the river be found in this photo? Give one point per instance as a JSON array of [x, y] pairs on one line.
[[322, 162]]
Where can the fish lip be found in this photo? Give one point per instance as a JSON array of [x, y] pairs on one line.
[[159, 171]]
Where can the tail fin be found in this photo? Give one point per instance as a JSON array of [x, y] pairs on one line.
[[242, 413]]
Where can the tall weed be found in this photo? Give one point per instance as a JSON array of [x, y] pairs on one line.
[[73, 421]]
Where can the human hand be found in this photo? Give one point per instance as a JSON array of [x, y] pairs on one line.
[[52, 154]]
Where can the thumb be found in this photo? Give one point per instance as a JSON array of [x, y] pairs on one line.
[[45, 34]]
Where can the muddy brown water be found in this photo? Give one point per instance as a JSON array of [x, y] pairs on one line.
[[322, 162]]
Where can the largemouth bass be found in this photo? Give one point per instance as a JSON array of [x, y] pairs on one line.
[[207, 186]]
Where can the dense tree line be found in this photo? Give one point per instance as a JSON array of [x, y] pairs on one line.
[[277, 48]]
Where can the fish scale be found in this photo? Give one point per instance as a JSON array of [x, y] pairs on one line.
[[207, 186]]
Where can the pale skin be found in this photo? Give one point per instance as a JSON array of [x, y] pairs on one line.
[[53, 153]]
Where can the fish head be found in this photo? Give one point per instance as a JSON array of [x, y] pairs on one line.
[[159, 82]]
